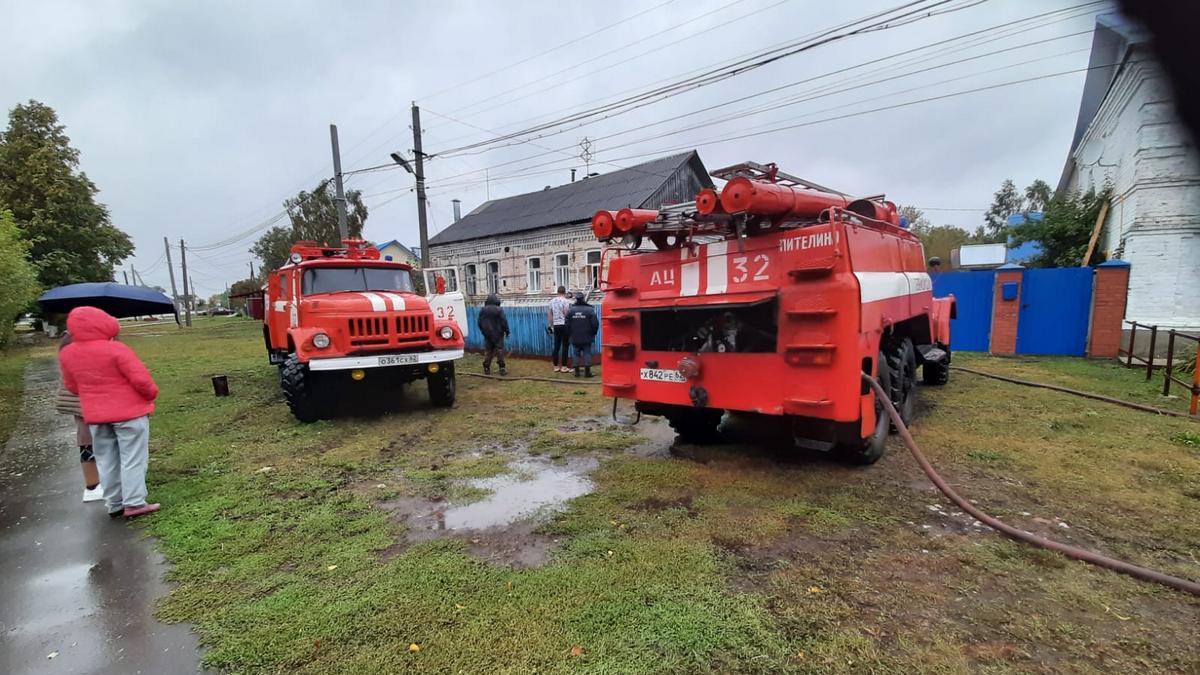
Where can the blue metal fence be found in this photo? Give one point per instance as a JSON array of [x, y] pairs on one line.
[[971, 330], [1055, 310], [527, 328]]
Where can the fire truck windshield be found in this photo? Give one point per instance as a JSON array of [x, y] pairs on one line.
[[337, 279]]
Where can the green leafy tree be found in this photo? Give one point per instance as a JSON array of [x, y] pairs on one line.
[[1005, 202], [313, 217], [937, 240], [18, 278], [1065, 230], [242, 287], [71, 236], [1037, 196]]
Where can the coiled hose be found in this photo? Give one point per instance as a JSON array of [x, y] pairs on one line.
[[1097, 559]]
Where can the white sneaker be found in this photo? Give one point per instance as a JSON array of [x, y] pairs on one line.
[[93, 495]]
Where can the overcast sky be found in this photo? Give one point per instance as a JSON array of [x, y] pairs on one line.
[[196, 119]]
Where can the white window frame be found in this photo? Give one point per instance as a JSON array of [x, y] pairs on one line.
[[533, 275], [493, 278], [471, 278], [562, 272], [593, 268]]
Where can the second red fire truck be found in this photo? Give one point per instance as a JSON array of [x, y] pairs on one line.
[[772, 297]]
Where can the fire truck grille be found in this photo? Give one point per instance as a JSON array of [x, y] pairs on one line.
[[380, 330], [412, 327]]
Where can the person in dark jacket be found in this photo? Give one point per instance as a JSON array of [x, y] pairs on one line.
[[493, 325], [582, 326]]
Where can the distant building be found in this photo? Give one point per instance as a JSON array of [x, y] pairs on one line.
[[527, 245], [394, 250], [1128, 136]]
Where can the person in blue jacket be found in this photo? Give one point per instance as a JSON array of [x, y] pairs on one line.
[[582, 326]]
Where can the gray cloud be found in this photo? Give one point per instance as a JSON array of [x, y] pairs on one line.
[[197, 119]]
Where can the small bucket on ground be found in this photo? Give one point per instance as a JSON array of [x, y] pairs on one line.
[[220, 385]]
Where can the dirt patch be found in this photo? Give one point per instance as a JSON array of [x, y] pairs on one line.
[[502, 527], [658, 505]]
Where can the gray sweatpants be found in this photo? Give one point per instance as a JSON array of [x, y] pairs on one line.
[[122, 452]]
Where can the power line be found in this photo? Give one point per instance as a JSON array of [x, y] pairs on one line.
[[1064, 14], [794, 100], [542, 53], [879, 21]]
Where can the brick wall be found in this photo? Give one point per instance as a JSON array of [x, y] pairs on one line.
[[1005, 312], [1108, 308]]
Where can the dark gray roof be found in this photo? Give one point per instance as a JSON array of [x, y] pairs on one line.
[[576, 202]]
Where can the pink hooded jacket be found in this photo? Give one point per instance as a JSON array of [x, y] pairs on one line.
[[113, 385]]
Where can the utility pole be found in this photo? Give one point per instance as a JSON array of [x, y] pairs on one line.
[[126, 277], [171, 270], [136, 279], [251, 269], [419, 155], [187, 305], [337, 178]]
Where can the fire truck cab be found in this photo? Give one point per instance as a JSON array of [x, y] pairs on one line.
[[771, 297], [340, 317]]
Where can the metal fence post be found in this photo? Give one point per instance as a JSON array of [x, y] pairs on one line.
[[1170, 360], [1150, 356], [1196, 382], [1132, 335]]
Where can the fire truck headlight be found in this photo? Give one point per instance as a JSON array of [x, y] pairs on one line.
[[446, 332], [321, 341]]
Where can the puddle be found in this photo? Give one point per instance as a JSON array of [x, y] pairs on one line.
[[502, 526]]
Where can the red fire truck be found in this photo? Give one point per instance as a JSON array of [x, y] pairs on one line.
[[341, 317], [771, 297]]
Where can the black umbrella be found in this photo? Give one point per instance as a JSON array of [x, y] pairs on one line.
[[119, 300]]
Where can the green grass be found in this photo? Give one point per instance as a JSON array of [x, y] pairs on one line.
[[13, 360], [739, 560]]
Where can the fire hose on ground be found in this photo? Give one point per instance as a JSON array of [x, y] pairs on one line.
[[1097, 559], [1136, 571]]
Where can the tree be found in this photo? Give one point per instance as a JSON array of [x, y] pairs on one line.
[[916, 217], [18, 278], [243, 287], [71, 237], [940, 240], [1065, 229], [1037, 196], [1005, 202], [313, 217]]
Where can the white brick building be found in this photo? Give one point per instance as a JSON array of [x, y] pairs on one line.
[[1128, 136], [527, 245]]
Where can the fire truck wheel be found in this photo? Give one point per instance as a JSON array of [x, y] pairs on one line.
[[936, 373], [868, 450], [296, 381], [698, 426], [904, 362], [441, 386]]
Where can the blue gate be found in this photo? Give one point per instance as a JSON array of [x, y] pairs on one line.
[[1055, 306], [971, 330]]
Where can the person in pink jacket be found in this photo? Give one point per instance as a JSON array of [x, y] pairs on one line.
[[116, 394]]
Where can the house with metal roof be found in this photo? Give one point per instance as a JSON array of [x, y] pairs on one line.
[[527, 245], [394, 250], [1128, 137]]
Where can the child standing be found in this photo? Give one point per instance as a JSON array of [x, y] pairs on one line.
[[116, 395]]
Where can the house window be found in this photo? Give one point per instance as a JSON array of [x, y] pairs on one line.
[[562, 270], [472, 280], [533, 267], [493, 276], [593, 269]]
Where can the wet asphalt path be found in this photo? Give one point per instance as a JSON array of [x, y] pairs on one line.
[[73, 583]]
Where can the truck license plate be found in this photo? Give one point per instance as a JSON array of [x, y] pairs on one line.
[[398, 360], [662, 375]]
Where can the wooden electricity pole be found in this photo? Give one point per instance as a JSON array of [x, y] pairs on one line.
[[187, 305], [419, 174], [340, 197], [171, 271]]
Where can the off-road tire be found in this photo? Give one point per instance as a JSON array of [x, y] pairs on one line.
[[902, 358], [868, 450], [697, 426], [302, 399], [442, 388], [936, 373]]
